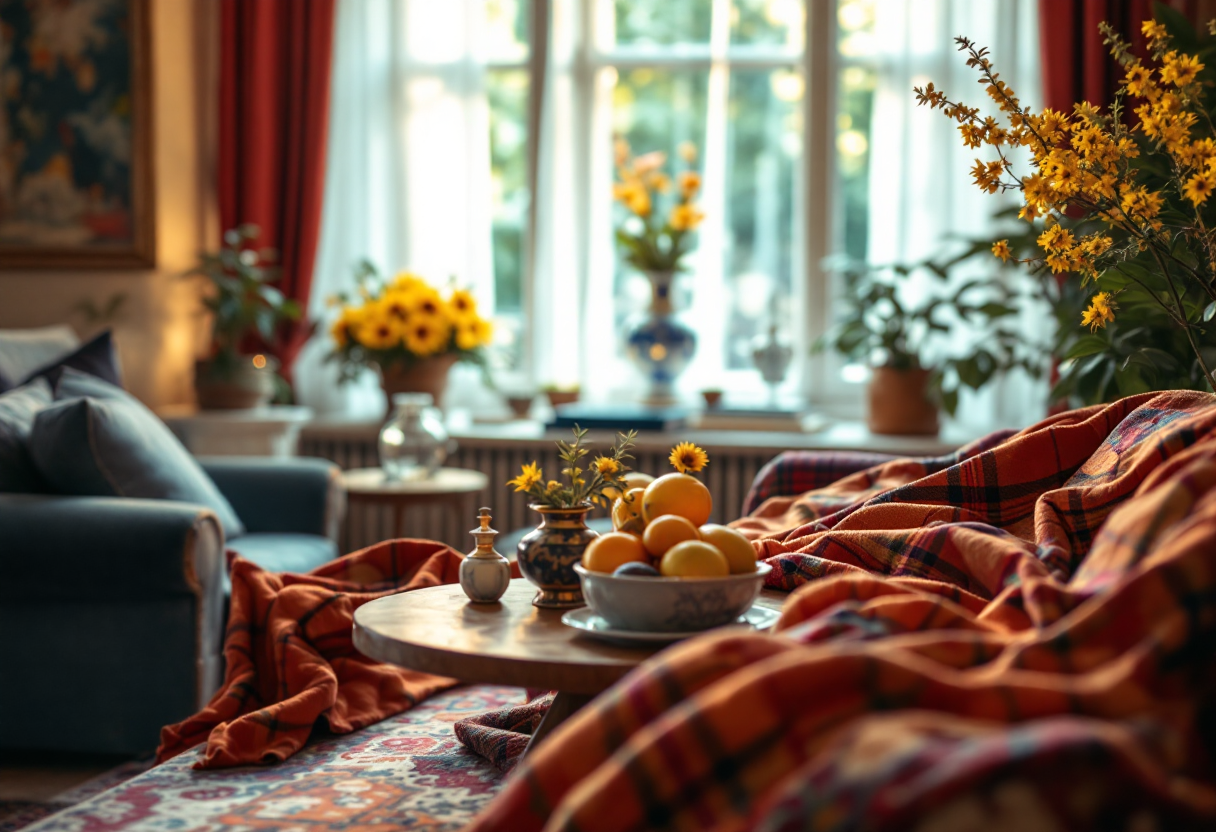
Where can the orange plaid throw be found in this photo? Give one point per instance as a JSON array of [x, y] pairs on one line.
[[290, 660], [1022, 639]]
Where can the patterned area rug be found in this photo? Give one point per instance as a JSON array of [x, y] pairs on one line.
[[407, 772], [19, 814]]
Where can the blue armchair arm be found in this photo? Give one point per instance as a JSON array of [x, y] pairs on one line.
[[300, 495], [104, 548]]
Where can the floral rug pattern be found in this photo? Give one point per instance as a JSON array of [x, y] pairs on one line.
[[406, 772]]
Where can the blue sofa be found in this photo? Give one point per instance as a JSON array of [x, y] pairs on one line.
[[112, 610]]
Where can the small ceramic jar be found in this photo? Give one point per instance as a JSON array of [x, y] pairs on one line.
[[484, 573]]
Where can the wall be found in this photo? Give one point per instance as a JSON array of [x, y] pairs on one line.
[[158, 331]]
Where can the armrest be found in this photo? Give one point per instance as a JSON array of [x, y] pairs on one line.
[[298, 494], [106, 548], [795, 472]]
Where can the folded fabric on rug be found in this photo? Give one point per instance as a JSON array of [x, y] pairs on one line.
[[501, 736], [1022, 639], [290, 659]]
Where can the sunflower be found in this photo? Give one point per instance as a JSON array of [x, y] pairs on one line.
[[427, 302], [687, 457], [473, 333], [345, 327], [606, 465], [462, 304], [377, 331], [1001, 249], [396, 305], [529, 476], [408, 282], [426, 335]]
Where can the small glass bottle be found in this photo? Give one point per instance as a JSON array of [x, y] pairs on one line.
[[484, 573], [413, 443]]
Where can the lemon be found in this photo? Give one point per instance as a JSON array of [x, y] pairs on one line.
[[664, 532], [634, 479], [627, 512], [612, 550], [678, 494], [694, 559], [737, 548]]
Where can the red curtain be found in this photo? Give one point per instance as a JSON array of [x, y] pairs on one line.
[[274, 107]]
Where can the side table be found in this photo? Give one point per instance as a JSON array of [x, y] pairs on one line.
[[438, 630], [450, 487], [261, 431]]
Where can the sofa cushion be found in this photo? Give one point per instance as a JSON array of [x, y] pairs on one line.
[[285, 552], [17, 411], [96, 357], [24, 350], [116, 447]]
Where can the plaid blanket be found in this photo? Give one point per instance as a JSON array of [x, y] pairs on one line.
[[1003, 640], [291, 662]]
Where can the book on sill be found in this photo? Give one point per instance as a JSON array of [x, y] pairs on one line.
[[759, 419], [619, 417]]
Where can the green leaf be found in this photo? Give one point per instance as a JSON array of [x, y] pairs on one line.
[[950, 401], [1087, 345]]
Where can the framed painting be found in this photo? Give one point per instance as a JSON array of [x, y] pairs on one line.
[[76, 187]]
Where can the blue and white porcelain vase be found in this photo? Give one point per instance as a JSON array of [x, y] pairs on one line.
[[659, 345], [547, 554]]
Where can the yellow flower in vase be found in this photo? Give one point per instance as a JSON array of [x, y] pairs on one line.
[[462, 305], [427, 302], [473, 332], [685, 217], [427, 334], [377, 331]]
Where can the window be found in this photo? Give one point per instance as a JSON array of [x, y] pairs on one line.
[[521, 100]]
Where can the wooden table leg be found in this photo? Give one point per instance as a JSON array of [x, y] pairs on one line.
[[564, 705]]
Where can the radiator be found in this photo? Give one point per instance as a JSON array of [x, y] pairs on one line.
[[728, 476]]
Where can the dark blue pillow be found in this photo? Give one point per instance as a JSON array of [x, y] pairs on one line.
[[17, 411], [97, 357], [116, 447]]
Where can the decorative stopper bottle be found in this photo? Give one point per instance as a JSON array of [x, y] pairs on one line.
[[484, 573]]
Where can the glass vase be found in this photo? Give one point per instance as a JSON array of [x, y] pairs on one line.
[[413, 443]]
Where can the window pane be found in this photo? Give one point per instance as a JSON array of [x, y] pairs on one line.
[[507, 93], [507, 29], [764, 150], [854, 107], [660, 22], [778, 22], [655, 110]]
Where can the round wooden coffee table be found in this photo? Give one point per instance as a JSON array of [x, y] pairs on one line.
[[438, 630], [450, 486]]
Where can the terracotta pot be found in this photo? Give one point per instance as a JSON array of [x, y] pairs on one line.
[[560, 397], [240, 386], [428, 375], [900, 404]]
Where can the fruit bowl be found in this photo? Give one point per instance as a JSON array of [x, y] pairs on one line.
[[670, 605]]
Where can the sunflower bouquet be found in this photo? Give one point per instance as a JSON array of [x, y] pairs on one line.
[[402, 321], [654, 241], [1120, 199]]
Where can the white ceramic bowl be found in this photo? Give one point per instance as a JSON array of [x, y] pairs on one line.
[[670, 605]]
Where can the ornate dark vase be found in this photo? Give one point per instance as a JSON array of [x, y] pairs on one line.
[[659, 345], [547, 555]]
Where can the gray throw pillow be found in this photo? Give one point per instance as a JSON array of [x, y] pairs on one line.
[[116, 447], [18, 408]]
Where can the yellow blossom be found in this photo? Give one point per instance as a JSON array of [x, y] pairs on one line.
[[529, 476], [1138, 80], [472, 333], [463, 304], [606, 465], [1199, 187], [1179, 69], [1101, 311], [645, 163], [690, 183], [687, 457], [639, 203], [427, 335], [377, 331], [685, 217], [1153, 30], [1001, 249], [688, 152]]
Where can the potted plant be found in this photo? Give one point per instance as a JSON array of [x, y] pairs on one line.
[[958, 334], [655, 243], [1119, 197], [244, 306], [408, 330]]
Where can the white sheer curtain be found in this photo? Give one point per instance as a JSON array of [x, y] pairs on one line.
[[408, 170], [921, 192]]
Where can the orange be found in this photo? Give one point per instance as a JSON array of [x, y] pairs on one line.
[[678, 494], [737, 548], [634, 479], [610, 550], [627, 512], [664, 532], [694, 559]]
